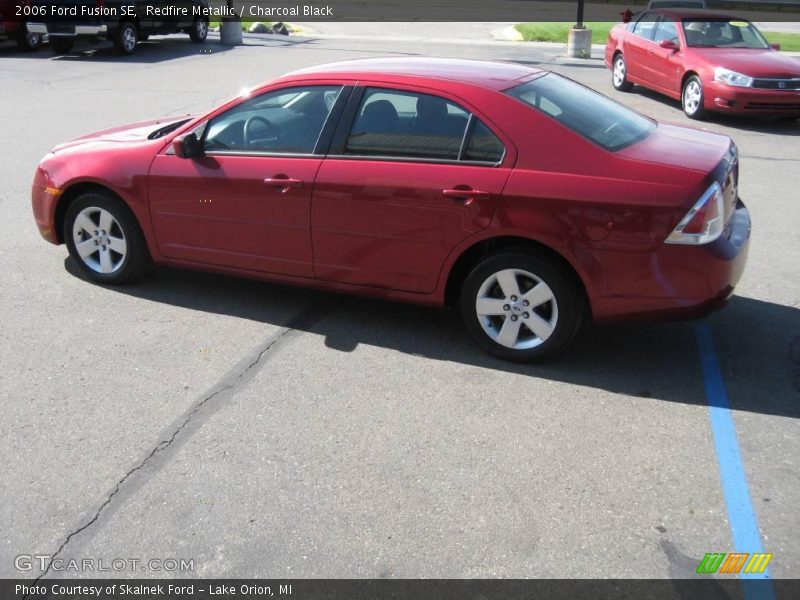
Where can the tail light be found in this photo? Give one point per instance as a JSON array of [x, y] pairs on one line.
[[704, 223]]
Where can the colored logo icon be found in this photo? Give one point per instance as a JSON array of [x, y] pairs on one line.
[[741, 562]]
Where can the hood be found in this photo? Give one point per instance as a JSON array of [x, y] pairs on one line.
[[133, 132], [754, 63], [680, 146]]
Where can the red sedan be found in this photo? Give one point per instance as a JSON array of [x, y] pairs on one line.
[[532, 202], [711, 62]]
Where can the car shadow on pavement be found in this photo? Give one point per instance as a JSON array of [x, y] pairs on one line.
[[776, 125], [758, 342], [158, 49]]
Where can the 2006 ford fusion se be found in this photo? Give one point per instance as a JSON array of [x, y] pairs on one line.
[[530, 201]]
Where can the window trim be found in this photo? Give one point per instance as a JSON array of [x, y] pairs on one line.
[[325, 134], [347, 121]]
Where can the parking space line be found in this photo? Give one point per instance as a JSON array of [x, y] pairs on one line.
[[741, 516]]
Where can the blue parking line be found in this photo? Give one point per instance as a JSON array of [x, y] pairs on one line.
[[741, 516]]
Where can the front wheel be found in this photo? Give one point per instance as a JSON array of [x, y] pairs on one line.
[[199, 31], [520, 306], [692, 98], [619, 75], [104, 239], [126, 39]]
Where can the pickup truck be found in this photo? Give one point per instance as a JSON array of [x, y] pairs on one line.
[[124, 22], [14, 25]]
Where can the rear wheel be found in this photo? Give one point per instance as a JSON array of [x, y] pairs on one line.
[[692, 98], [104, 239], [520, 306], [199, 30], [61, 45], [28, 41], [619, 74], [126, 38]]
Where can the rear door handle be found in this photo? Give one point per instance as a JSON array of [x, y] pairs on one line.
[[465, 195], [283, 182]]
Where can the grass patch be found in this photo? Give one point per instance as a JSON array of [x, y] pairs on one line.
[[557, 32], [788, 41], [245, 24]]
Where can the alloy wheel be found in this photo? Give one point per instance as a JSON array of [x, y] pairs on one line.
[[516, 309], [692, 96], [619, 72], [99, 240], [129, 39]]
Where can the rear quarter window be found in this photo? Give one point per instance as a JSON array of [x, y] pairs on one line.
[[586, 112]]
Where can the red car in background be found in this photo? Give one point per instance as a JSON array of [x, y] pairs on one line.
[[710, 61], [531, 202]]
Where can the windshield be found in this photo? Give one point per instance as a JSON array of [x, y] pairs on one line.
[[588, 113], [721, 33]]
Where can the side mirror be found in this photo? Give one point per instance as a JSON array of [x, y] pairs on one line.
[[775, 46], [669, 45], [187, 146]]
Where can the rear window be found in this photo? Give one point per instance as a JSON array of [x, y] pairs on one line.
[[592, 115]]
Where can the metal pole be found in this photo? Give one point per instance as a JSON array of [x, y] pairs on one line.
[[579, 24]]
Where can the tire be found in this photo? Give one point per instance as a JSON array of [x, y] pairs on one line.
[[113, 255], [692, 98], [126, 38], [61, 45], [619, 74], [547, 324], [199, 31], [28, 41]]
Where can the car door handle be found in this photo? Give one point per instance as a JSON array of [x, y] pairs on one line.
[[283, 182], [465, 195]]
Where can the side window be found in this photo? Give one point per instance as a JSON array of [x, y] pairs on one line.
[[666, 30], [644, 27], [483, 145], [394, 123], [286, 121]]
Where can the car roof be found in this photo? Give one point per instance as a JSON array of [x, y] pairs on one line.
[[687, 13], [489, 74]]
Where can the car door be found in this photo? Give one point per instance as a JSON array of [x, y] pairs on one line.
[[410, 174], [245, 203], [664, 63], [637, 47]]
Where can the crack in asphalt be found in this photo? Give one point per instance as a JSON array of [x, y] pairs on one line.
[[233, 381]]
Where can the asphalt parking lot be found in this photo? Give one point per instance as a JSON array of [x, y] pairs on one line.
[[268, 431]]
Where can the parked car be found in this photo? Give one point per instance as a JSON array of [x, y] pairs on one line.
[[529, 200], [14, 25], [124, 22], [710, 61]]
